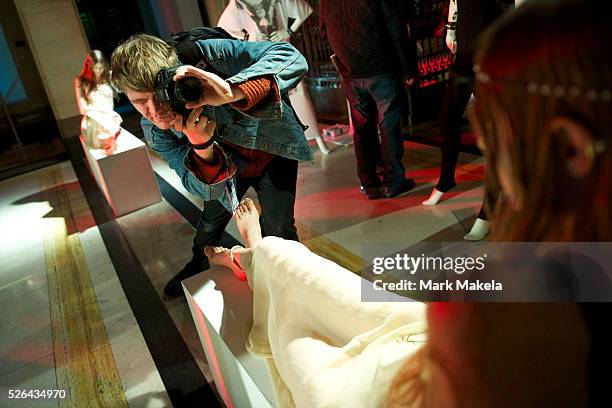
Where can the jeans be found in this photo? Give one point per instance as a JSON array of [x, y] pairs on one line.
[[376, 102], [456, 97], [275, 189]]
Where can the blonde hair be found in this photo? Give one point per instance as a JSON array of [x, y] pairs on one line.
[[408, 387], [136, 62], [563, 61]]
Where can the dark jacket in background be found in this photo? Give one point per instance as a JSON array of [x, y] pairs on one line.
[[369, 37]]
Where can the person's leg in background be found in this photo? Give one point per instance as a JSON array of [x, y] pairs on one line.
[[387, 92], [481, 225], [365, 136], [455, 101], [456, 97], [209, 229], [276, 194]]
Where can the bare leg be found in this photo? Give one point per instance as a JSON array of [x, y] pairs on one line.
[[247, 220]]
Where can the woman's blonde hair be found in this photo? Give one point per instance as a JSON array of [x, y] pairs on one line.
[[408, 386], [136, 62], [547, 59]]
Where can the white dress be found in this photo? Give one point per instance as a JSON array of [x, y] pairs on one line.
[[324, 347], [101, 124], [101, 98], [238, 20]]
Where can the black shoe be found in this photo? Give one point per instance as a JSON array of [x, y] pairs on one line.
[[174, 288], [373, 193], [405, 187]]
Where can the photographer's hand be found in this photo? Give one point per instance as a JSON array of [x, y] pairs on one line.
[[198, 130], [216, 90]]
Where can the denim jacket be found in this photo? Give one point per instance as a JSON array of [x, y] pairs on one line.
[[271, 126]]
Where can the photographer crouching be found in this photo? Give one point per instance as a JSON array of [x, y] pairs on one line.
[[223, 127]]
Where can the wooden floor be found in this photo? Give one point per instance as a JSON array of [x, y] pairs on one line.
[[65, 319], [84, 362]]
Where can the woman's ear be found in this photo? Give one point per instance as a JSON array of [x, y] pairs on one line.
[[574, 144]]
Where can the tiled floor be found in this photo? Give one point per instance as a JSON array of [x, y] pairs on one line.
[[329, 209]]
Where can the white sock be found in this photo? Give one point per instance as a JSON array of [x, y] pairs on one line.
[[434, 197], [479, 230]]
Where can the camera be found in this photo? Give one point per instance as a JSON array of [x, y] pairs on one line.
[[177, 93]]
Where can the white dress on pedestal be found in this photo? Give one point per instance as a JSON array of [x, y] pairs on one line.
[[324, 347], [100, 124]]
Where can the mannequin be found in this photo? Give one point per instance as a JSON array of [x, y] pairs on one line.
[[477, 15], [465, 22], [480, 228], [476, 354], [100, 124], [257, 20], [451, 44], [322, 345]]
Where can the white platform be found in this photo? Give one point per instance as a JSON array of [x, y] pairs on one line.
[[222, 309], [125, 177]]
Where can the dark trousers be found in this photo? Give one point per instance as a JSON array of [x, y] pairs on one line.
[[376, 102], [492, 195], [275, 189], [456, 97]]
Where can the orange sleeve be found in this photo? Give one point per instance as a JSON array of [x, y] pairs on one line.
[[254, 90]]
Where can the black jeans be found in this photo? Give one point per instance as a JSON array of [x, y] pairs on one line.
[[456, 97], [275, 189], [376, 102]]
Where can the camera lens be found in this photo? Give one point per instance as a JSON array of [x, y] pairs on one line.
[[188, 90]]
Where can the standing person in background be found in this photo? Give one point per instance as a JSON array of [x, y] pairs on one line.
[[466, 20], [376, 57], [95, 99]]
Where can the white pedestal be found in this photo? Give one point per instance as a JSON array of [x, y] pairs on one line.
[[125, 176], [222, 309]]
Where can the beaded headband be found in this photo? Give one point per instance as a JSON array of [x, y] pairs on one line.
[[558, 91]]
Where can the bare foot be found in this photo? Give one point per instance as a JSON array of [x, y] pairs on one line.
[[223, 257], [247, 220]]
